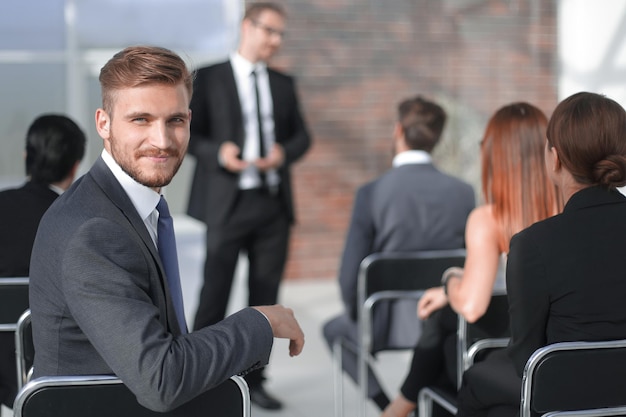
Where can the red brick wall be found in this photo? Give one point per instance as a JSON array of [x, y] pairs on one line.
[[355, 59]]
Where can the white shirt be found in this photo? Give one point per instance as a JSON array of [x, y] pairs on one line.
[[144, 199], [412, 157], [242, 69]]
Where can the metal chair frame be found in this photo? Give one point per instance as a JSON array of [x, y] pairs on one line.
[[100, 386], [372, 293], [531, 378]]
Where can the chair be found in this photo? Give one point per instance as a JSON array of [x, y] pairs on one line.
[[24, 349], [491, 331], [386, 281], [13, 301], [106, 396], [575, 379]]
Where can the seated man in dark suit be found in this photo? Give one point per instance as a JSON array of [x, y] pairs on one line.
[[55, 146], [411, 207]]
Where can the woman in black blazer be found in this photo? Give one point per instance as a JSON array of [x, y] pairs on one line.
[[565, 275]]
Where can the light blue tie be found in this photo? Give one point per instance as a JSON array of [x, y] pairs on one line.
[[167, 250]]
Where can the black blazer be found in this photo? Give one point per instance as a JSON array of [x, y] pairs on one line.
[[20, 212], [217, 118], [566, 278]]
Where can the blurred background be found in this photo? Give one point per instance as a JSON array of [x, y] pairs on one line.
[[354, 61]]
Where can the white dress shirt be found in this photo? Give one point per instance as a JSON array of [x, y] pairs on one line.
[[412, 157], [242, 69], [145, 199]]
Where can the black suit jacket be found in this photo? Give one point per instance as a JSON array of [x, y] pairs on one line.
[[566, 278], [20, 212], [217, 118]]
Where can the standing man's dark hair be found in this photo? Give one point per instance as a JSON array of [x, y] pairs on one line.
[[247, 131], [55, 146]]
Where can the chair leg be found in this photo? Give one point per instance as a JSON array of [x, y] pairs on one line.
[[338, 378]]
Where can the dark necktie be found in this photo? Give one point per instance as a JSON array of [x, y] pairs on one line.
[[259, 119], [167, 250]]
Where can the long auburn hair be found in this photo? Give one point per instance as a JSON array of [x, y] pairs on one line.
[[514, 177]]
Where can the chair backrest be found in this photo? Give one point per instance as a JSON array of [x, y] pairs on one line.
[[13, 301], [106, 396], [24, 348], [388, 288], [491, 331], [577, 376]]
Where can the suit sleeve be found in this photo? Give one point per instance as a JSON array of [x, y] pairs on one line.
[[107, 288], [359, 244], [529, 304], [202, 145], [298, 140]]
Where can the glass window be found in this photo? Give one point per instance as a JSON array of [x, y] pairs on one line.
[[37, 42]]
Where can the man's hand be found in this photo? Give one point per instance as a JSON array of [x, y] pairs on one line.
[[284, 326], [229, 157], [432, 300], [274, 159]]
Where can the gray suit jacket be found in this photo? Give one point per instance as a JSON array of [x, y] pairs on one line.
[[100, 304], [410, 208]]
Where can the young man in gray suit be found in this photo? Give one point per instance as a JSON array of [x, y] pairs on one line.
[[412, 207], [101, 300]]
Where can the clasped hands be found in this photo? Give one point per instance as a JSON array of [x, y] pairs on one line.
[[229, 158]]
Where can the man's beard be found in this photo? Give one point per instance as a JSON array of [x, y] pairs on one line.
[[154, 179]]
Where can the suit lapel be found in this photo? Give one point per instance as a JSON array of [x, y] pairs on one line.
[[105, 179], [231, 96]]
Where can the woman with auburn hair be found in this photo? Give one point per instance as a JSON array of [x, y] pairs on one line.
[[565, 275], [517, 193]]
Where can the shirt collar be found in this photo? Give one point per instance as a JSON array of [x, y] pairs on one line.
[[412, 157], [243, 67], [56, 189], [143, 198]]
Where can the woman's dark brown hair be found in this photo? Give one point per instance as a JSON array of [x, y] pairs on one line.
[[588, 131]]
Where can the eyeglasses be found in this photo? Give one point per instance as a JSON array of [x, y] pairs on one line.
[[269, 30]]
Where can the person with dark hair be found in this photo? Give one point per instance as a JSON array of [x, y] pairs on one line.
[[565, 275], [55, 145], [412, 207], [105, 288], [246, 132], [517, 193]]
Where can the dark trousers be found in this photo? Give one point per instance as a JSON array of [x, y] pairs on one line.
[[490, 388], [434, 356], [259, 226]]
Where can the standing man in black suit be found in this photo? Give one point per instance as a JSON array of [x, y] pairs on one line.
[[55, 145], [412, 207], [246, 132]]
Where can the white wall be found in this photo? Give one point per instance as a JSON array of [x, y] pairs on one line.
[[592, 47]]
